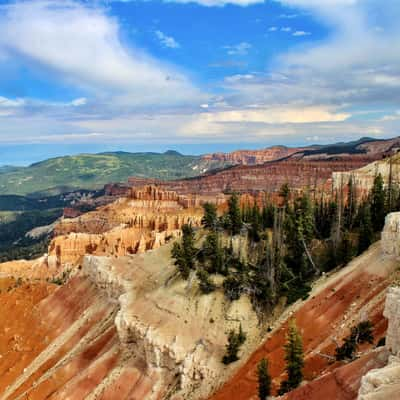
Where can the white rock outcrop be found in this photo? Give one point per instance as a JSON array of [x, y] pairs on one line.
[[384, 383], [166, 323], [391, 235]]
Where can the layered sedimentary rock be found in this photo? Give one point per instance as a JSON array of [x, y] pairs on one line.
[[253, 157], [269, 177], [145, 220], [121, 328], [363, 178]]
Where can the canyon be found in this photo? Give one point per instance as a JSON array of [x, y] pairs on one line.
[[104, 315]]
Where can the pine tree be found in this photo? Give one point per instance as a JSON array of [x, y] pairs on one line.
[[359, 334], [285, 194], [346, 251], [255, 218], [213, 253], [264, 380], [294, 359], [378, 204], [184, 253], [351, 205], [210, 218], [235, 218], [366, 234], [205, 284], [235, 340]]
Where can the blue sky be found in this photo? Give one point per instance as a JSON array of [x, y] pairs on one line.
[[206, 74]]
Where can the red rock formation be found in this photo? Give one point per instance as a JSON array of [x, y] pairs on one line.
[[145, 220], [357, 292], [267, 177], [63, 344], [253, 157]]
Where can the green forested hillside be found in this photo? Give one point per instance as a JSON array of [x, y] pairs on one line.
[[87, 171]]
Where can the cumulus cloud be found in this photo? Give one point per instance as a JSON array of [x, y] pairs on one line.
[[167, 41], [209, 122], [81, 44]]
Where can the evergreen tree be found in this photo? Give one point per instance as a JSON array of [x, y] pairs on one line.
[[267, 216], [255, 219], [235, 218], [299, 231], [351, 205], [362, 333], [232, 287], [285, 194], [378, 204], [366, 234], [205, 284], [294, 359], [210, 218], [346, 252], [264, 380], [235, 340], [213, 253], [185, 253]]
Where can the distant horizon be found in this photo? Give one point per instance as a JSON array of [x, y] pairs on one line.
[[158, 74], [23, 155]]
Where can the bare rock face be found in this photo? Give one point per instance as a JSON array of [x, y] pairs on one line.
[[384, 383], [253, 157], [392, 313], [391, 235], [165, 322]]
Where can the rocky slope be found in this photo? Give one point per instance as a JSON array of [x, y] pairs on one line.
[[121, 328], [384, 383], [337, 303], [124, 326]]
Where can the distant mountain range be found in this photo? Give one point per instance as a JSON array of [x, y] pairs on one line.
[[91, 171]]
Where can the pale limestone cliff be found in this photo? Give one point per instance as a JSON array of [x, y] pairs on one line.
[[363, 178], [384, 383], [391, 235], [168, 324]]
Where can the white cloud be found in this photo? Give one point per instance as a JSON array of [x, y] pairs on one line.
[[167, 41], [240, 49], [301, 33], [81, 44], [286, 29], [9, 103], [319, 3], [81, 101], [218, 3], [272, 29]]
